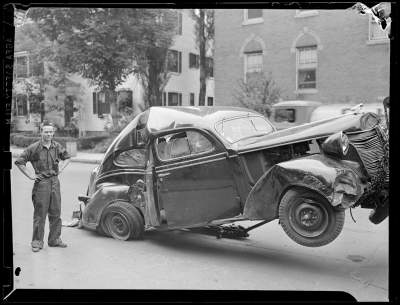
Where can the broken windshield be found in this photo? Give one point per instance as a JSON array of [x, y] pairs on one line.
[[236, 129]]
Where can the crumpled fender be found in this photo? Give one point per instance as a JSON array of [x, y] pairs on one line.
[[102, 197], [336, 180]]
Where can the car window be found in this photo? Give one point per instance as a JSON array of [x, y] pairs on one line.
[[285, 115], [234, 130], [182, 144], [134, 157]]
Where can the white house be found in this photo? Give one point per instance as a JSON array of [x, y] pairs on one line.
[[94, 113]]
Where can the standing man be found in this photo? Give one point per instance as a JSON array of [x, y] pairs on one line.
[[48, 159]]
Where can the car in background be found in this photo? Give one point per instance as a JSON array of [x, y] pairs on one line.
[[292, 113], [288, 114], [196, 167]]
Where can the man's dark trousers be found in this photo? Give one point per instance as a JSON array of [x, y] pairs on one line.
[[46, 200]]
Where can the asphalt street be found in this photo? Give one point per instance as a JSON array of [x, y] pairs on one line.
[[356, 262]]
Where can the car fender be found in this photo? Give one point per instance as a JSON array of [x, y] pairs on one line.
[[106, 194], [334, 179]]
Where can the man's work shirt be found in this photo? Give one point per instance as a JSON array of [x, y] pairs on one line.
[[44, 160]]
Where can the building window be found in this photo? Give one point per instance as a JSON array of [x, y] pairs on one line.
[[252, 16], [21, 66], [253, 64], [306, 67], [36, 68], [174, 61], [254, 13], [174, 99], [376, 34], [35, 103], [124, 100], [191, 99], [210, 67], [21, 104], [210, 101], [194, 60], [101, 103]]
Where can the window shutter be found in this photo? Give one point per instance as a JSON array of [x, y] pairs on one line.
[[164, 98], [25, 106], [94, 103], [180, 99], [180, 62], [107, 102], [130, 99], [191, 99], [100, 103]]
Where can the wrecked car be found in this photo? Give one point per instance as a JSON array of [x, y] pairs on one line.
[[207, 167]]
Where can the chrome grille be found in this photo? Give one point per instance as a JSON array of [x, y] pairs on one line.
[[370, 146]]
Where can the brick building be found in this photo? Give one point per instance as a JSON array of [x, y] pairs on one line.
[[332, 56]]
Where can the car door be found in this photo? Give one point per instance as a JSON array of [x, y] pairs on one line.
[[194, 179]]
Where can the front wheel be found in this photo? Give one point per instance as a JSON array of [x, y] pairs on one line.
[[309, 219], [122, 221]]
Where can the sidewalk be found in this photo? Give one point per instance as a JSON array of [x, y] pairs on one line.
[[80, 156]]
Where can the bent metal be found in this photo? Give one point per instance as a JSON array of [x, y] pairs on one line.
[[206, 167]]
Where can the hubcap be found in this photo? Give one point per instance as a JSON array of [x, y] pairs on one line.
[[308, 217], [118, 225]]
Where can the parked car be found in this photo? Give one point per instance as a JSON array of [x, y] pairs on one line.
[[292, 113], [197, 167], [288, 114]]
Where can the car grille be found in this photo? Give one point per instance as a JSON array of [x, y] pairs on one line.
[[370, 147]]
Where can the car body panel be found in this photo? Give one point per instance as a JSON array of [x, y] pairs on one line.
[[333, 179], [201, 190], [106, 194]]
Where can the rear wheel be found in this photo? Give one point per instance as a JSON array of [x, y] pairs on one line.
[[309, 219], [121, 220]]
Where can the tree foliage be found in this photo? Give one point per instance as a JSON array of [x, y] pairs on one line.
[[259, 93], [106, 45]]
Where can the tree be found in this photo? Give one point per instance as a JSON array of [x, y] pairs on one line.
[[106, 45], [152, 56], [204, 33], [259, 93], [41, 73]]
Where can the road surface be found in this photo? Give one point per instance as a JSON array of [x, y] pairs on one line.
[[356, 262]]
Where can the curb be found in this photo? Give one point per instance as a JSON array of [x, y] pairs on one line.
[[73, 159], [78, 160]]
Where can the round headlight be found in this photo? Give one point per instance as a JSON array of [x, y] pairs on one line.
[[337, 144]]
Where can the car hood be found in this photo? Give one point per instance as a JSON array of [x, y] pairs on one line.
[[309, 131]]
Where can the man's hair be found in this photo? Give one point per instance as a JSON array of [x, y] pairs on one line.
[[46, 123]]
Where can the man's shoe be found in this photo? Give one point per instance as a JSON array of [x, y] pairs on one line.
[[36, 245], [59, 243]]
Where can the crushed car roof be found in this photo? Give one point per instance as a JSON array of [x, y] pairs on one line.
[[165, 118], [158, 119]]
